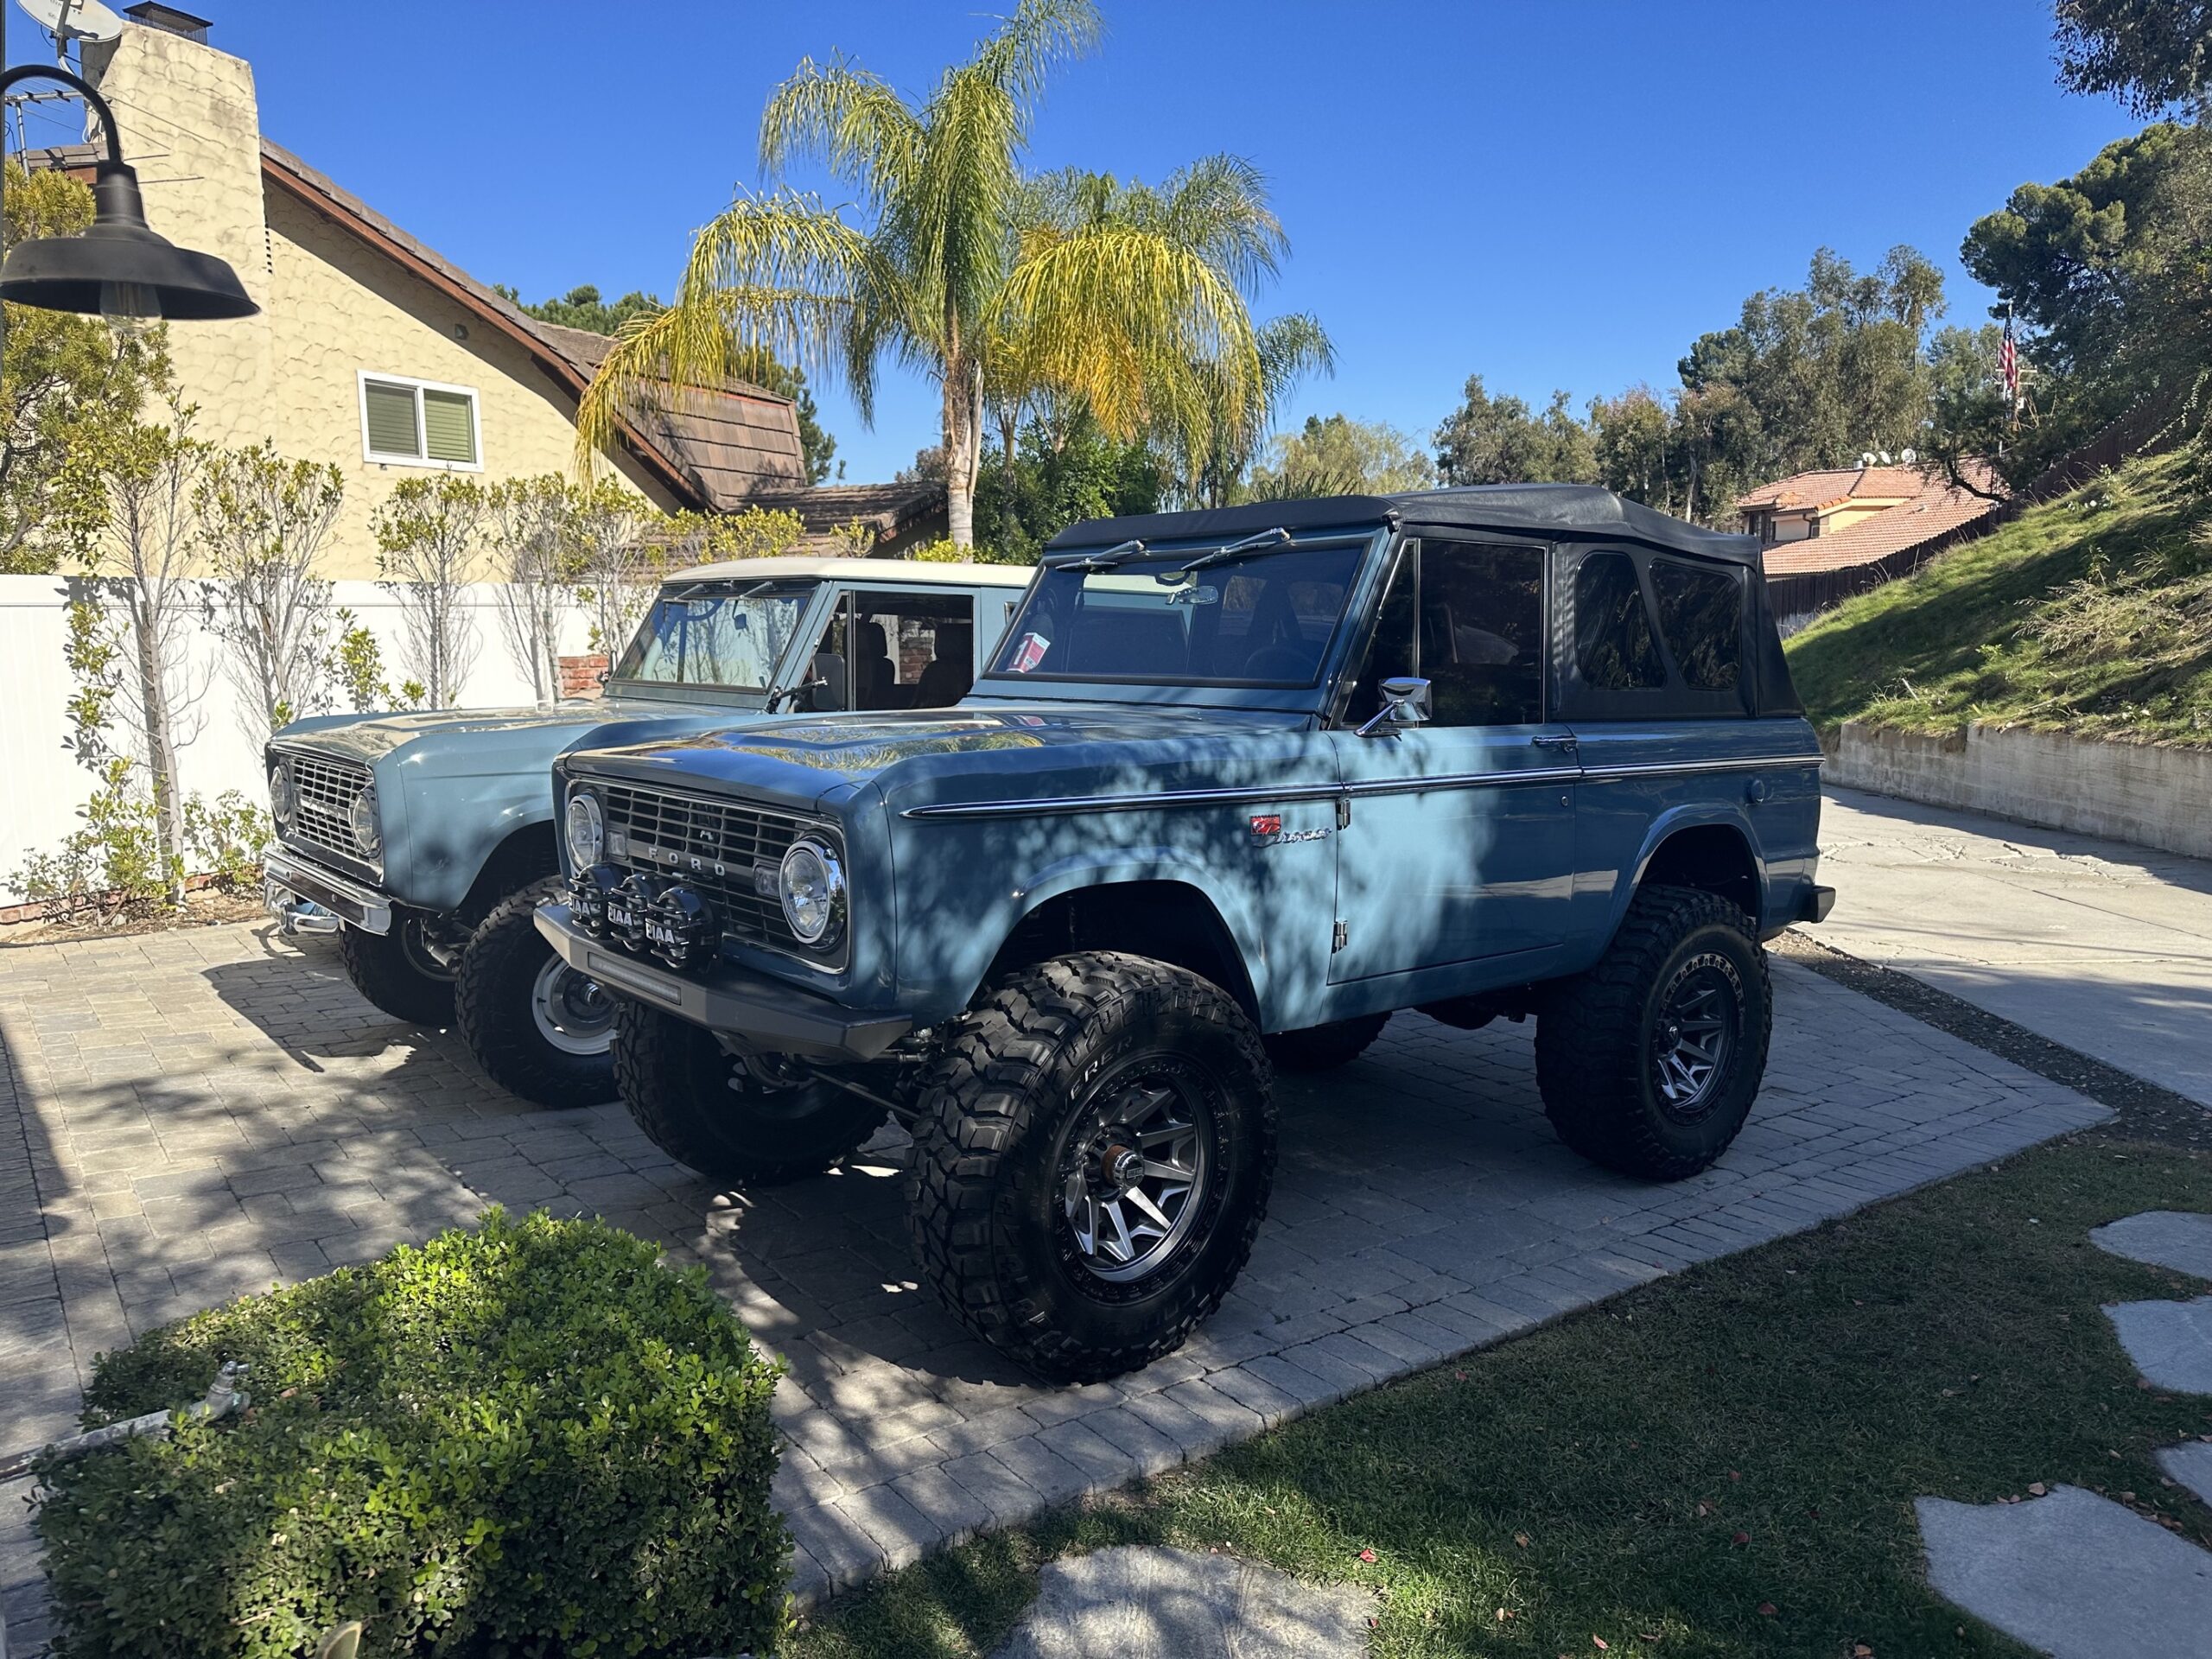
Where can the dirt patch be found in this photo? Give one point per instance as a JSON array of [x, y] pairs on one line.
[[205, 908]]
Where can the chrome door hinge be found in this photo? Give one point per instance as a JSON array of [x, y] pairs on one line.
[[1340, 938], [1344, 811]]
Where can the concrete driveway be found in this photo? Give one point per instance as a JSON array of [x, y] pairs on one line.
[[2104, 947], [190, 1115]]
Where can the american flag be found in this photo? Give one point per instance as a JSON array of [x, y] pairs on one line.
[[2008, 367]]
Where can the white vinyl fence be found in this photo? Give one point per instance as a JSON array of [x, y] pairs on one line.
[[42, 788]]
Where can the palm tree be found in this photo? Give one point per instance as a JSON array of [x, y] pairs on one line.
[[1212, 461], [957, 265]]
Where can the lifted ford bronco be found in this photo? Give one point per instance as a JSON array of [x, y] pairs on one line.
[[425, 841], [1236, 786]]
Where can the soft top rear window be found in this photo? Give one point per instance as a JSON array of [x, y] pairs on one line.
[[1264, 619]]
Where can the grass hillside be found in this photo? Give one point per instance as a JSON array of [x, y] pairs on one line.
[[2092, 614]]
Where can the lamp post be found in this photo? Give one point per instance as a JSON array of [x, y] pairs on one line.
[[119, 267]]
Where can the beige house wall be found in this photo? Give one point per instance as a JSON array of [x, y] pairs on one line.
[[332, 307]]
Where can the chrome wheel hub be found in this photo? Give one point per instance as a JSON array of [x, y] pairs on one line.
[[1134, 1174], [571, 1011], [1695, 1034]]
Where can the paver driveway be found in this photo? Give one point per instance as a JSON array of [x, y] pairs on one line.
[[192, 1114]]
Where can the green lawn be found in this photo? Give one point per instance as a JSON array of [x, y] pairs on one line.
[[1721, 1463], [2092, 614]]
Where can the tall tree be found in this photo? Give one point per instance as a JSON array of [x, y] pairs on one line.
[[1490, 440], [1114, 314], [64, 380], [261, 521], [2151, 54], [135, 485], [1342, 456], [429, 536]]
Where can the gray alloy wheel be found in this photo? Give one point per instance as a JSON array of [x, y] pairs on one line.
[[1129, 1170]]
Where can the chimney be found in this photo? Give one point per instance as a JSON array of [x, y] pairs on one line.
[[173, 20]]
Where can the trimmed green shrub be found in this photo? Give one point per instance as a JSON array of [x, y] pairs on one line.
[[529, 1439]]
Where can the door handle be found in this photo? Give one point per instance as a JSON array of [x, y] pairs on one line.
[[1566, 742]]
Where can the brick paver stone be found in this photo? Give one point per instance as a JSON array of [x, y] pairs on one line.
[[188, 1115]]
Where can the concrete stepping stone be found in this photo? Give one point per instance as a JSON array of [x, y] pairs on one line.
[[2170, 1342], [2073, 1575], [1149, 1602], [2179, 1239], [2190, 1463]]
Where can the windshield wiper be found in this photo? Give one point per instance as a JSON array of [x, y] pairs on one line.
[[1277, 540], [1104, 558]]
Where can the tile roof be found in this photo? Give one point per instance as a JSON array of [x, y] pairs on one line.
[[1826, 487], [1938, 507], [714, 450]]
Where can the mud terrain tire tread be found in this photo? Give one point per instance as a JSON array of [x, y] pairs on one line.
[[674, 1078], [980, 1100], [378, 965], [1590, 1040], [491, 1008]]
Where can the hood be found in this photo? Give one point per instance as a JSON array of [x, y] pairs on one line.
[[1008, 752], [371, 737]]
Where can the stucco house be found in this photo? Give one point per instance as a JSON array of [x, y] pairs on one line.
[[1837, 531], [375, 353]]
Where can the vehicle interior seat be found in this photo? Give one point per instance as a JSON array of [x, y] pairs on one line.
[[875, 680], [952, 672]]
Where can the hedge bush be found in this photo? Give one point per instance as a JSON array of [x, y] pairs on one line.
[[529, 1439]]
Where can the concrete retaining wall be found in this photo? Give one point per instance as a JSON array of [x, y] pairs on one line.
[[2153, 797]]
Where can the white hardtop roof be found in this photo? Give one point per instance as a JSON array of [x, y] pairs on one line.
[[902, 573]]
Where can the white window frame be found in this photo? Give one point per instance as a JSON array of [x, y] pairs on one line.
[[418, 386]]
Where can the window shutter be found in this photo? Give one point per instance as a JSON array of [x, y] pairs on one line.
[[448, 426], [389, 411]]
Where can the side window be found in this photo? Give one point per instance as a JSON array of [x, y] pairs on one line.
[[1482, 632], [912, 651], [1390, 654], [1614, 650], [831, 669], [1701, 618]]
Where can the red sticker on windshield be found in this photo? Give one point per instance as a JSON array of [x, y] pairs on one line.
[[1030, 653]]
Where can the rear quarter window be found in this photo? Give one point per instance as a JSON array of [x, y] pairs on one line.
[[1701, 616], [1614, 650]]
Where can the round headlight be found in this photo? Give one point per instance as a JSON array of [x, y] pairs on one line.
[[363, 821], [283, 794], [813, 889], [587, 830]]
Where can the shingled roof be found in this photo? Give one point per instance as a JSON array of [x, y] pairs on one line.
[[714, 450]]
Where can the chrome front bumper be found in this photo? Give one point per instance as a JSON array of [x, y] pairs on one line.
[[289, 882]]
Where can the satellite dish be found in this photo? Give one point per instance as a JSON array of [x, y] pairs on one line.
[[74, 20]]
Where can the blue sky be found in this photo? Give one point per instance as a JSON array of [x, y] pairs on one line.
[[1553, 193]]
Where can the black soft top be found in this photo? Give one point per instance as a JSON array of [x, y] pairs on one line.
[[1560, 511]]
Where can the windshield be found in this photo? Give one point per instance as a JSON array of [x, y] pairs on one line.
[[728, 634], [1265, 620]]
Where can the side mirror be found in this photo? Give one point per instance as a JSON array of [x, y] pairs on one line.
[[1405, 703]]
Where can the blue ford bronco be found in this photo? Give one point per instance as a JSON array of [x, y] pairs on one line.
[[1236, 787], [425, 841]]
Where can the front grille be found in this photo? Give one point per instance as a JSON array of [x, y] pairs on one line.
[[325, 815], [712, 845]]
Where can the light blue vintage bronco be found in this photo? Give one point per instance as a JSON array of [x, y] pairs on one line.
[[426, 840], [1236, 787]]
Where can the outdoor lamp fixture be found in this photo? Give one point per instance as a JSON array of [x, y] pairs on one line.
[[119, 267]]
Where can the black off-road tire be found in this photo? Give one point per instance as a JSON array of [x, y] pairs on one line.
[[696, 1104], [1596, 1036], [1015, 1079], [494, 997], [1324, 1048], [385, 970]]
